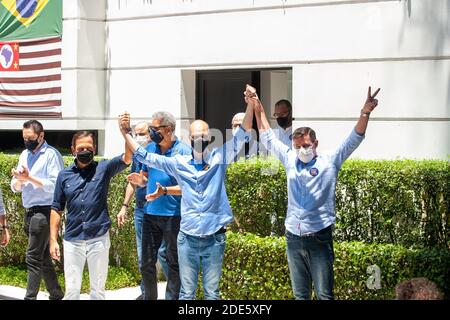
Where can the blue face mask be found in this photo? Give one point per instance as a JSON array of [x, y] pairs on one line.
[[156, 136]]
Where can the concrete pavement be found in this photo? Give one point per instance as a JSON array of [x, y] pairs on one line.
[[15, 293]]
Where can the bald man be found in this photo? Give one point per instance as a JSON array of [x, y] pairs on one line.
[[205, 210]]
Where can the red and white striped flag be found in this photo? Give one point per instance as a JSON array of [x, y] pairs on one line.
[[31, 87]]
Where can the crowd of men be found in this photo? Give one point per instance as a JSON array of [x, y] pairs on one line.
[[181, 208]]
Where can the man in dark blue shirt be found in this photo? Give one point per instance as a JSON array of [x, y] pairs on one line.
[[83, 189]]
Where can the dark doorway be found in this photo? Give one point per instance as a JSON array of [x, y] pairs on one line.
[[220, 95]]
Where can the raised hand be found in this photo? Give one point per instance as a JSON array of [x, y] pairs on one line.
[[155, 195], [124, 123], [371, 102], [251, 97]]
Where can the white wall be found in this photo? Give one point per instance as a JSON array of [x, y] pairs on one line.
[[142, 55], [336, 49]]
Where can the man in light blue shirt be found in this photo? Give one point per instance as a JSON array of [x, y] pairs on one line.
[[205, 210], [311, 182], [35, 176]]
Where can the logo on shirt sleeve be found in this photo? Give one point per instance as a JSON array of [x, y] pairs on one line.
[[314, 172]]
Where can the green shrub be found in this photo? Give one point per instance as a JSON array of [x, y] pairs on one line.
[[256, 268], [401, 202], [117, 278]]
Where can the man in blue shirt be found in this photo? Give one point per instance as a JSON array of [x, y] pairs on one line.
[[311, 182], [83, 189], [142, 137], [162, 214], [205, 210], [35, 176]]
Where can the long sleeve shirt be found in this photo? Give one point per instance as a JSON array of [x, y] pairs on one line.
[[311, 186]]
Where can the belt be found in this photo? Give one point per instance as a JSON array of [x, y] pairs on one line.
[[313, 234], [221, 230], [36, 209]]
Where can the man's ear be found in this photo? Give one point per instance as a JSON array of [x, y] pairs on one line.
[[72, 149]]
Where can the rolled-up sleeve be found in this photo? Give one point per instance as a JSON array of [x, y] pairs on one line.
[[54, 167], [275, 146], [347, 147]]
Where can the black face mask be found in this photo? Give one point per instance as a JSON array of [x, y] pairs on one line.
[[199, 145], [282, 121], [156, 136], [85, 157], [31, 144]]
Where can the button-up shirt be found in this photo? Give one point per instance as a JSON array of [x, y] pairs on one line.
[[311, 186], [283, 135], [204, 203], [84, 192], [165, 205], [44, 164]]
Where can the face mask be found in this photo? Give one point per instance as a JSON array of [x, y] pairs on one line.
[[305, 154], [282, 121], [31, 144], [85, 157], [199, 145], [156, 136], [235, 130], [142, 141]]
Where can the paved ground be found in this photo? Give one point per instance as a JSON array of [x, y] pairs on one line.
[[15, 293]]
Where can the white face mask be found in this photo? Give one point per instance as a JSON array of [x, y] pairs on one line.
[[235, 130], [142, 141], [305, 154]]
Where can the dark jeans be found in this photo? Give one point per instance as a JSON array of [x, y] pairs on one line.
[[310, 260], [155, 229], [38, 260]]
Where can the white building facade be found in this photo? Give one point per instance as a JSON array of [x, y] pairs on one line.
[[144, 56]]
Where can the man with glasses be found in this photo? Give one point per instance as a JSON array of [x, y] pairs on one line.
[[283, 116], [205, 210], [161, 221], [142, 137]]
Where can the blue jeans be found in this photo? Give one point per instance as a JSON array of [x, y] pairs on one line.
[[310, 260], [138, 217], [207, 253]]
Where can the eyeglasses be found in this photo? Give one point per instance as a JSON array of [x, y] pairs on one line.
[[281, 115], [157, 128]]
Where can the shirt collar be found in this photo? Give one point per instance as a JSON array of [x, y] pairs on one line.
[[41, 149], [158, 148]]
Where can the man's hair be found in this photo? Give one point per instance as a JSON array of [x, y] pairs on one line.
[[417, 289], [35, 125], [166, 118], [82, 134], [286, 103], [300, 132]]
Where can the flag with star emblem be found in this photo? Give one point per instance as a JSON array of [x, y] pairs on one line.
[[30, 58]]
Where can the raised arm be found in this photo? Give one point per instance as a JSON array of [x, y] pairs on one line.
[[163, 163], [368, 107], [268, 139]]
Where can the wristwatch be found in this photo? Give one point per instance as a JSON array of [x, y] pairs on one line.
[[4, 226], [165, 191], [365, 114]]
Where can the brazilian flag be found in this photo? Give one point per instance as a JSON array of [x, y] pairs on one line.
[[28, 19]]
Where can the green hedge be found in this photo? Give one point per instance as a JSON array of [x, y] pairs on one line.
[[401, 202], [256, 268]]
